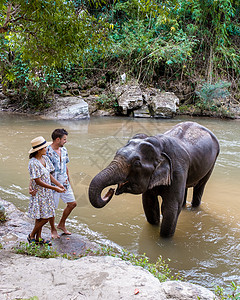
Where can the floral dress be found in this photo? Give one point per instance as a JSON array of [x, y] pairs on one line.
[[41, 205]]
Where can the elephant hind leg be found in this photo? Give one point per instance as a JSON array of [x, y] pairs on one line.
[[151, 207], [199, 188], [185, 197]]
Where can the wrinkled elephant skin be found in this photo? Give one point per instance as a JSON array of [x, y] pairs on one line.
[[164, 165]]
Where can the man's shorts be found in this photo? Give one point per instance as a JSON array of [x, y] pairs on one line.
[[66, 197]]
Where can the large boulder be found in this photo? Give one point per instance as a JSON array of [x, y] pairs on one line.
[[161, 104], [150, 103], [129, 97], [67, 108], [87, 278], [185, 291]]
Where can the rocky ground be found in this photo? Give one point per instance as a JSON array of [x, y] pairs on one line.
[[91, 277]]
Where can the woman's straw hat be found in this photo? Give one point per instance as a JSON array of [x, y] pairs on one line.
[[38, 143]]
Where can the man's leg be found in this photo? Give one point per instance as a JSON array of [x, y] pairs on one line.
[[54, 233], [68, 209]]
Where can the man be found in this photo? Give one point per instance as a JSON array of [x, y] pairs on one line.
[[59, 157]]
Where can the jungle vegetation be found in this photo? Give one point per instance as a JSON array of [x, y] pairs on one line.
[[190, 47]]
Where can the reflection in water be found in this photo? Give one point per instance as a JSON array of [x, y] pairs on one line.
[[205, 247]]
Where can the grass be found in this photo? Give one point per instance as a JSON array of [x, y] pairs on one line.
[[159, 269], [234, 294], [31, 298], [43, 251], [3, 218]]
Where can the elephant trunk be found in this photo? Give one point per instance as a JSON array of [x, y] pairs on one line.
[[111, 175]]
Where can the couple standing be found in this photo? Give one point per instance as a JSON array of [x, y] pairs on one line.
[[49, 181]]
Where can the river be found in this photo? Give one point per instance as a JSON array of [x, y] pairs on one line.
[[206, 244]]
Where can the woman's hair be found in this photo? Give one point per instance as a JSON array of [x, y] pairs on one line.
[[31, 155], [59, 133]]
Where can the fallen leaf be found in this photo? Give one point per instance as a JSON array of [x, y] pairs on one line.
[[136, 291]]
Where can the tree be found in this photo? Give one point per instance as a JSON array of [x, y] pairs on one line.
[[38, 37], [49, 32]]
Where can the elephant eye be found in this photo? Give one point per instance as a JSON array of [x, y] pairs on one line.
[[137, 163]]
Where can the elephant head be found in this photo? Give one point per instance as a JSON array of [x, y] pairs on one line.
[[137, 167]]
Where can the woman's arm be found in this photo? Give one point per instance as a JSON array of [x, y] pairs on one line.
[[48, 186], [30, 189], [57, 183]]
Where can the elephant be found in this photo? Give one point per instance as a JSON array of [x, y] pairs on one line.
[[163, 165]]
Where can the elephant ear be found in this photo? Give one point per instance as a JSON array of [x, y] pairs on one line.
[[162, 174], [148, 151]]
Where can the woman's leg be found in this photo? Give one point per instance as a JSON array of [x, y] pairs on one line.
[[39, 223], [38, 234]]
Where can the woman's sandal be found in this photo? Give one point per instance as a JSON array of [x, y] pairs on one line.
[[45, 242], [31, 240]]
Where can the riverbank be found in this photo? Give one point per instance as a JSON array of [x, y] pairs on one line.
[[120, 99], [90, 277]]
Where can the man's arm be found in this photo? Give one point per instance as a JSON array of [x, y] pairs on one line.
[[68, 174]]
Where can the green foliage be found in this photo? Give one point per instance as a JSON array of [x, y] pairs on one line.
[[32, 87], [166, 42], [106, 102], [37, 250], [234, 294], [3, 217], [209, 94], [51, 33], [159, 269], [1, 246]]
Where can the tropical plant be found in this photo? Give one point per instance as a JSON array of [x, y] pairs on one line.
[[211, 95]]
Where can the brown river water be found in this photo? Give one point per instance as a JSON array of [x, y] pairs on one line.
[[206, 246]]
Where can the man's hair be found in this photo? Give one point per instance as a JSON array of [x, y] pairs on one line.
[[59, 133]]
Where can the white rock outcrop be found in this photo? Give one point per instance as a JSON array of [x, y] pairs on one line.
[[88, 278], [67, 108]]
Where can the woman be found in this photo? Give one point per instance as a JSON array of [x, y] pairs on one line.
[[41, 206]]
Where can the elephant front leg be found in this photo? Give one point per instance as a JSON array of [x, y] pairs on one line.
[[151, 207], [170, 212]]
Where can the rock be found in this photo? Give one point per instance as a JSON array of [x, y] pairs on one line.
[[142, 112], [151, 103], [87, 278], [185, 291], [161, 104], [67, 108], [129, 97], [2, 96], [18, 226], [103, 113], [72, 85]]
